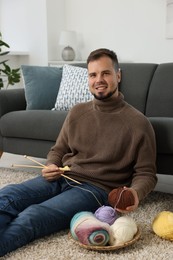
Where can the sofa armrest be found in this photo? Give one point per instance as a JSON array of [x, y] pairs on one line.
[[12, 100]]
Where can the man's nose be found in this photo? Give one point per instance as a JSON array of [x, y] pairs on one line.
[[99, 78]]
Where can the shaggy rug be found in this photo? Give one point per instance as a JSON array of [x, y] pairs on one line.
[[59, 246]]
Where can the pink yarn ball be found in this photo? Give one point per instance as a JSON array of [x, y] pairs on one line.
[[106, 214]]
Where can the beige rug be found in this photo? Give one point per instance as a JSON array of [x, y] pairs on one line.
[[59, 246]]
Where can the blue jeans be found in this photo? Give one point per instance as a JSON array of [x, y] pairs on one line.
[[37, 208]]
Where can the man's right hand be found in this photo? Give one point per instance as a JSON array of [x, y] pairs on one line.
[[51, 172]]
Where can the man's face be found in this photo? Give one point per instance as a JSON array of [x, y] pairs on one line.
[[102, 77]]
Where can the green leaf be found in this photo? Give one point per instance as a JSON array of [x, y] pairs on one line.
[[12, 75], [4, 61], [16, 70], [7, 68], [4, 53], [1, 83], [2, 43]]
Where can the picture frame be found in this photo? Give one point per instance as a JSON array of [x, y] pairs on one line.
[[169, 19]]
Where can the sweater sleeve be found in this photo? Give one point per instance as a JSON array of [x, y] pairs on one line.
[[144, 176]]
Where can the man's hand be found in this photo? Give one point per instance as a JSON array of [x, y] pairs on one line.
[[51, 172], [136, 203]]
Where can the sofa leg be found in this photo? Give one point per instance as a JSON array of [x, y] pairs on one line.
[[1, 152]]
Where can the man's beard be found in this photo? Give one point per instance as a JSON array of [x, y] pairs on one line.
[[101, 95]]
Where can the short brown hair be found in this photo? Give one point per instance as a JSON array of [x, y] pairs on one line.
[[96, 54]]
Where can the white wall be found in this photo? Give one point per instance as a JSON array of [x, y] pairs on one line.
[[24, 27], [135, 29], [13, 16], [56, 21]]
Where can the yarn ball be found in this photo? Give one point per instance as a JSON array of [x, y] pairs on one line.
[[123, 230], [163, 225], [106, 214], [88, 230], [121, 198], [77, 218]]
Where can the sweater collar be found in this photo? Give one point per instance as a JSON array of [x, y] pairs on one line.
[[110, 104]]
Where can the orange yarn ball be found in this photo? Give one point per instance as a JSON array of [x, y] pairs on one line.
[[121, 198]]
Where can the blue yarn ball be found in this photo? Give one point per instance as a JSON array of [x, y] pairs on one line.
[[106, 214], [87, 229], [99, 237], [76, 219]]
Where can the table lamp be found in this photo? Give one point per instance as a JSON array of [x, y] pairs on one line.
[[68, 40]]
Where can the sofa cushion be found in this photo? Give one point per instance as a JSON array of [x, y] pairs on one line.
[[32, 124], [41, 85], [73, 88]]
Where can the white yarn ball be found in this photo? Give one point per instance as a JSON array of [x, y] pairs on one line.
[[123, 230]]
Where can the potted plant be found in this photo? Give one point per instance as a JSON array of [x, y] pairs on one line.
[[8, 75]]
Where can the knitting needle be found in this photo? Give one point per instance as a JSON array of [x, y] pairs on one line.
[[41, 167], [31, 159], [26, 166], [66, 168]]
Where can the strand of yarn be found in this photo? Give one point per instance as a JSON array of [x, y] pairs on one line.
[[106, 214], [79, 187], [121, 198], [120, 195]]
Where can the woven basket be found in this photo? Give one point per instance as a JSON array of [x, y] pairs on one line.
[[107, 248]]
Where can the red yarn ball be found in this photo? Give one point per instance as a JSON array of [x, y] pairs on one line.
[[121, 198]]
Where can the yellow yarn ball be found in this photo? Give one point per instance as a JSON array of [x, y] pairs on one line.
[[163, 225]]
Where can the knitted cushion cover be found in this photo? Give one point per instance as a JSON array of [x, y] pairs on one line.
[[73, 88]]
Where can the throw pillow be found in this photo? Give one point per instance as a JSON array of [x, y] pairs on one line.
[[41, 85], [73, 88]]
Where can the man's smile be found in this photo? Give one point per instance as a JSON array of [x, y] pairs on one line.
[[101, 87]]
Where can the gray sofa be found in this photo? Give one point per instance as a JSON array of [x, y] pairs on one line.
[[148, 87]]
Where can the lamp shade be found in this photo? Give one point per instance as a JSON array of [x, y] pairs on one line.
[[68, 38]]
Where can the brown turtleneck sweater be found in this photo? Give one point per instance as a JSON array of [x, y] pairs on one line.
[[108, 143]]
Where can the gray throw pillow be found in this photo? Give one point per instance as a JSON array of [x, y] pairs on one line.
[[41, 85]]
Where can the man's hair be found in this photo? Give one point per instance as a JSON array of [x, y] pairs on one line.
[[95, 55]]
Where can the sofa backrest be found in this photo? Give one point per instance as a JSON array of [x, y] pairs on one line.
[[160, 96], [135, 83], [148, 87]]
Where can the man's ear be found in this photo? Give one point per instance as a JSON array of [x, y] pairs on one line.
[[119, 75]]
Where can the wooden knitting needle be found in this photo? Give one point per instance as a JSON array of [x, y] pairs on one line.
[[31, 159], [26, 166], [66, 168], [41, 167]]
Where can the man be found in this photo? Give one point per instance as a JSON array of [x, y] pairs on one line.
[[106, 143]]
